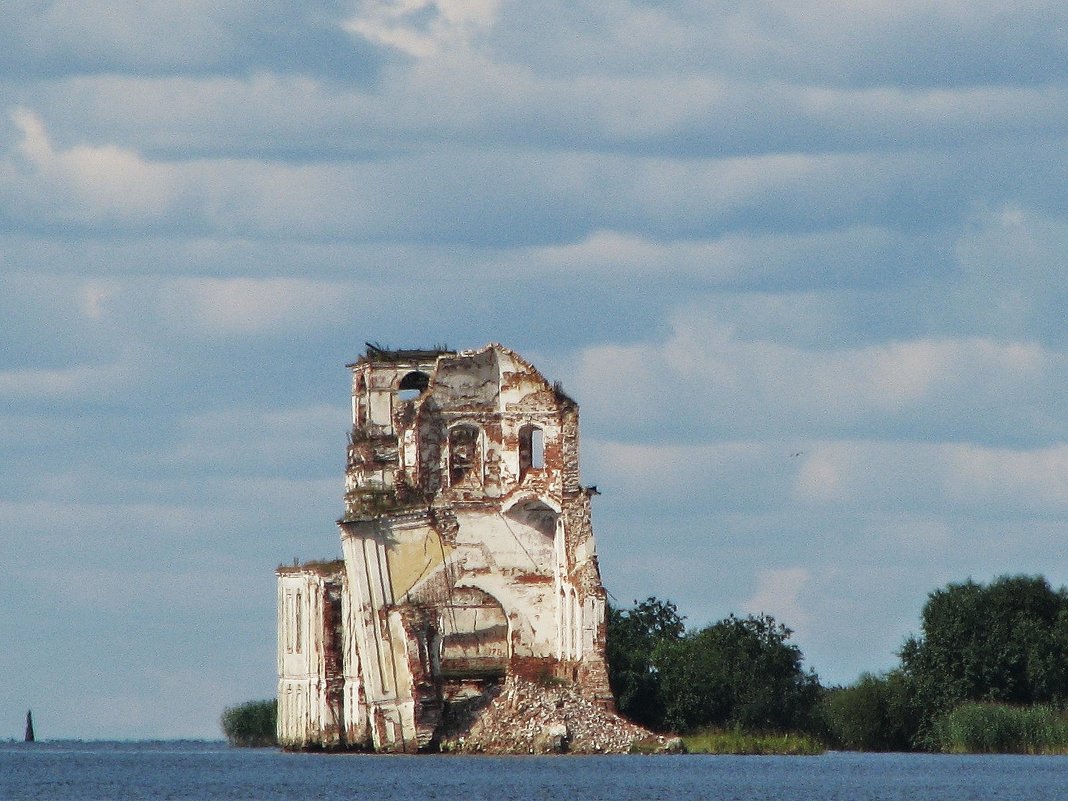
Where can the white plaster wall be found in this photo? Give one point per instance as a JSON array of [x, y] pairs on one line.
[[353, 708], [385, 673], [303, 712]]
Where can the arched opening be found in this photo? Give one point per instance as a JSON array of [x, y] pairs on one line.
[[474, 635], [465, 457], [412, 385], [533, 512], [531, 449]]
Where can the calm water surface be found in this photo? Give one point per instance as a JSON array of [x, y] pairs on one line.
[[200, 771]]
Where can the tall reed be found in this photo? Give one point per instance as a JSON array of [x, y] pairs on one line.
[[1002, 729]]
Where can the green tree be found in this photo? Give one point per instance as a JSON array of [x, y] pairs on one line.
[[736, 673], [1004, 642], [632, 636], [874, 714], [251, 724]]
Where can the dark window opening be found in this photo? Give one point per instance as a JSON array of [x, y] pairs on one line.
[[359, 403], [412, 385], [531, 449], [463, 453], [298, 624]]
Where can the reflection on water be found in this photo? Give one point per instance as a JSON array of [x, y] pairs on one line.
[[204, 771]]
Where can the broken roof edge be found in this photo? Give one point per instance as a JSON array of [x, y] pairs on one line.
[[324, 568], [378, 353], [556, 386]]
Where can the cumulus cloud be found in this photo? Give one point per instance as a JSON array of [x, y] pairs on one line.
[[967, 389], [825, 259], [823, 42], [762, 476], [800, 263]]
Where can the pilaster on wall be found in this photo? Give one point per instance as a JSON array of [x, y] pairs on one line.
[[310, 672], [379, 636], [569, 469], [354, 708]]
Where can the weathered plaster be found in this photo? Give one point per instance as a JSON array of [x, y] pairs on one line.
[[468, 554]]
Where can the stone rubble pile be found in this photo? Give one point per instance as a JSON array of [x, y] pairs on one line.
[[529, 718]]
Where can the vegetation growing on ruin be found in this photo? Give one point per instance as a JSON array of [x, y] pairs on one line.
[[251, 724]]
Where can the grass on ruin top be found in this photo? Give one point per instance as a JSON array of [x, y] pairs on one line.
[[715, 741]]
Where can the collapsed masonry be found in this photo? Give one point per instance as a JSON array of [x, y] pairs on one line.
[[469, 567]]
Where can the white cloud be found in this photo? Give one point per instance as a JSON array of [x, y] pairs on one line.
[[820, 259], [779, 594], [95, 297], [79, 382], [251, 306], [423, 28], [95, 182], [1008, 478], [966, 387], [804, 476], [823, 42]]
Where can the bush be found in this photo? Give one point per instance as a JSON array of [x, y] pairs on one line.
[[1002, 643], [1001, 729], [737, 673], [251, 724], [875, 714]]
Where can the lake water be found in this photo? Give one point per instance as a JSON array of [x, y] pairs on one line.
[[204, 771]]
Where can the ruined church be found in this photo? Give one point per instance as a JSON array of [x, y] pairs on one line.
[[468, 558]]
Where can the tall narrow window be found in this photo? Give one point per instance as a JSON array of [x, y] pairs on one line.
[[288, 613], [531, 449], [298, 623], [561, 622], [464, 456], [359, 402]]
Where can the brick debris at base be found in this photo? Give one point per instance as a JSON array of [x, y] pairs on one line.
[[527, 717]]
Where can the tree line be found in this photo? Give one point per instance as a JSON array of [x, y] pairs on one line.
[[988, 671]]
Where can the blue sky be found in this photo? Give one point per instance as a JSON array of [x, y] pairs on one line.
[[735, 232]]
